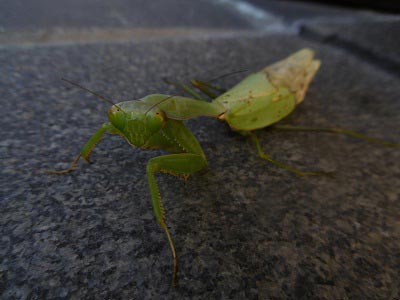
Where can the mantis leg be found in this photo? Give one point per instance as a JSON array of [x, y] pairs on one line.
[[87, 149], [186, 88], [175, 164], [339, 131], [265, 156], [202, 86], [206, 88]]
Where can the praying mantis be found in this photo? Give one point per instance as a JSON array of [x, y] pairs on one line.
[[258, 101]]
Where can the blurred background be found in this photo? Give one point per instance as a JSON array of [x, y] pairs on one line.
[[76, 21], [65, 17]]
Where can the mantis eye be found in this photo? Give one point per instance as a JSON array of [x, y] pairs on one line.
[[117, 117], [159, 114], [156, 121]]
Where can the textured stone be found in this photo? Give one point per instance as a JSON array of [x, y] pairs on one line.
[[242, 228]]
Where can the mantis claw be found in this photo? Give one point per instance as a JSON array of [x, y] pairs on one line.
[[67, 170], [86, 151], [174, 282]]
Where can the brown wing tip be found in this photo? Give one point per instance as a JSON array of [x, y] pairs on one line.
[[306, 80], [295, 72]]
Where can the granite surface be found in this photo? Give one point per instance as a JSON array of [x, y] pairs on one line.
[[243, 229]]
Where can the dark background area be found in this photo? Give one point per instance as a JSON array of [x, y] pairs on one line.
[[389, 6]]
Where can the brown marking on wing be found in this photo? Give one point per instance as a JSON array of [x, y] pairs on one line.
[[295, 72]]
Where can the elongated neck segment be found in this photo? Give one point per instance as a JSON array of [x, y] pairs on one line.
[[182, 108]]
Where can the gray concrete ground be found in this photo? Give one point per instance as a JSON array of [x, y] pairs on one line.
[[243, 228]]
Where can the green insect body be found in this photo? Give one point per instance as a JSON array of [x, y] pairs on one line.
[[268, 96], [156, 122]]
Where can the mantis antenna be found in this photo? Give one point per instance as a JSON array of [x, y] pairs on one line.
[[155, 104], [227, 74], [93, 92]]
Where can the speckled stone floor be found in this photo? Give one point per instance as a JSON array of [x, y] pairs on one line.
[[243, 229]]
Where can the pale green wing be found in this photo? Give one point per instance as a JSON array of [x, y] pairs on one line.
[[253, 86], [261, 111], [256, 103], [266, 97]]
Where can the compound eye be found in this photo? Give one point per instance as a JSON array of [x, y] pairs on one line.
[[160, 115]]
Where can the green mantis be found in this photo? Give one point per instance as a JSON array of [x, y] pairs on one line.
[[156, 122]]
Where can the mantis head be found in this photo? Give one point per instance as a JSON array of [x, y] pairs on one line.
[[133, 120]]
